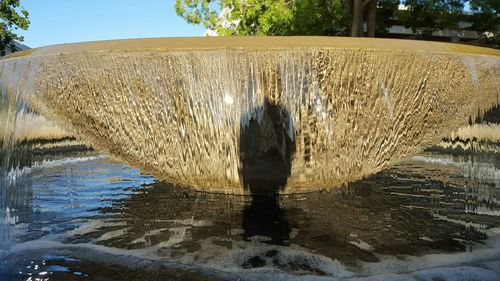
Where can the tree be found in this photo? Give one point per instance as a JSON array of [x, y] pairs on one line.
[[12, 18], [251, 17], [314, 17], [377, 14], [427, 16], [486, 19], [361, 11], [386, 11], [339, 17], [266, 17]]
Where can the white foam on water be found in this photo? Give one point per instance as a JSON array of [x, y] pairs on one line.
[[446, 266], [279, 261], [493, 231], [425, 238], [112, 234], [149, 233], [436, 262], [214, 257], [459, 273], [92, 226], [481, 210], [362, 245], [178, 235], [477, 226], [137, 259], [191, 222]]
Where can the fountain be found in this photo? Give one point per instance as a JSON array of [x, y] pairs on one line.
[[201, 112]]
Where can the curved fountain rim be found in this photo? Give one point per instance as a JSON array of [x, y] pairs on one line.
[[268, 43]]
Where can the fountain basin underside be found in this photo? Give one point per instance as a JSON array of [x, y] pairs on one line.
[[250, 115]]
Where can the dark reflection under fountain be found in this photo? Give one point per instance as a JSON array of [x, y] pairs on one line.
[[266, 152]]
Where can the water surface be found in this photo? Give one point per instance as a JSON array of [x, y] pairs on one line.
[[78, 215]]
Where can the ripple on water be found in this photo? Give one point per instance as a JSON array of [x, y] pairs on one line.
[[433, 217]]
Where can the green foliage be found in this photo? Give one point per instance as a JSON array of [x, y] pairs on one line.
[[260, 17], [197, 12], [319, 17], [486, 19], [266, 17], [385, 15], [12, 18], [426, 16], [331, 17]]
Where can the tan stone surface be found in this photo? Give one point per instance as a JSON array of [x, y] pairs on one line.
[[264, 42], [176, 107]]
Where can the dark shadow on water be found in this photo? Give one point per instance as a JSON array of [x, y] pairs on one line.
[[265, 217], [266, 152]]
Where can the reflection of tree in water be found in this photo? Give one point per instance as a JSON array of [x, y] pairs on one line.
[[266, 152]]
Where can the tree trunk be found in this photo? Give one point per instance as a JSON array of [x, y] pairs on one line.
[[357, 18], [370, 18]]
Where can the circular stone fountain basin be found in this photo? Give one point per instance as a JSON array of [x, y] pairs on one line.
[[257, 115]]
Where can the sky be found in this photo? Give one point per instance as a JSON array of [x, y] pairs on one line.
[[66, 21]]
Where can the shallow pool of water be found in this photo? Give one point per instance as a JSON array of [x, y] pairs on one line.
[[81, 216]]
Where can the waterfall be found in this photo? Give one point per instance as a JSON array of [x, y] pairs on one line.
[[177, 108]]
